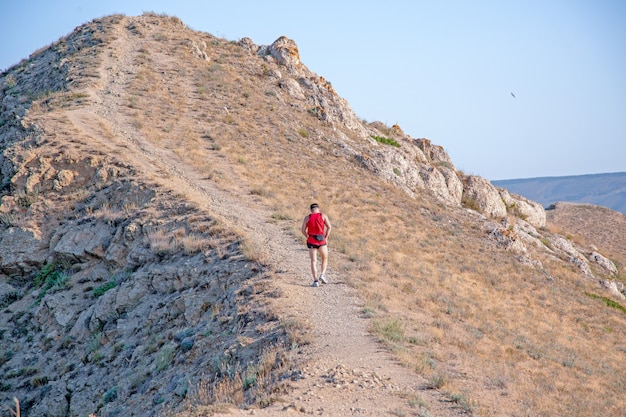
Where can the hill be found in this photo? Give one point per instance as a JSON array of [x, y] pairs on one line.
[[608, 190], [153, 180], [592, 225]]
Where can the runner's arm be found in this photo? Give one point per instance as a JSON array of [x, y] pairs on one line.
[[328, 226], [303, 228]]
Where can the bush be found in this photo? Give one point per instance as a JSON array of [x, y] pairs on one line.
[[50, 278], [386, 141], [97, 292]]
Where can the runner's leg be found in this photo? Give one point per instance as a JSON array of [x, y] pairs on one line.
[[324, 255], [313, 255]]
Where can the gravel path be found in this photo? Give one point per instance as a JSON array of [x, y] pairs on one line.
[[349, 372]]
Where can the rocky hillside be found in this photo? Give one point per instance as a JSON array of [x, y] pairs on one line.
[[593, 226], [152, 182]]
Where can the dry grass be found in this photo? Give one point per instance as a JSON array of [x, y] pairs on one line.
[[492, 333], [470, 314], [169, 239], [251, 387]]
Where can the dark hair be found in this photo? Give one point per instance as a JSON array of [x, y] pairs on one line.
[[314, 205]]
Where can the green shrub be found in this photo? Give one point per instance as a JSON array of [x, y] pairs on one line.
[[389, 330], [607, 301], [110, 395], [386, 141], [50, 278], [98, 291], [164, 358]]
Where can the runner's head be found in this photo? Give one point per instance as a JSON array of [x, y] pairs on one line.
[[314, 207]]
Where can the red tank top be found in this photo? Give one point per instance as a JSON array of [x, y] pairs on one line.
[[315, 226]]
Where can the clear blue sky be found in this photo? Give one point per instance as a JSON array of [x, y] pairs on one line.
[[443, 70]]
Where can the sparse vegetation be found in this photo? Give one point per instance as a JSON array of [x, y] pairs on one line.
[[51, 278], [25, 198], [386, 140], [389, 330], [98, 291], [451, 305], [608, 302], [164, 358]]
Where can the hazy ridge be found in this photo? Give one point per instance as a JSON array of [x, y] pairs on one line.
[[607, 190]]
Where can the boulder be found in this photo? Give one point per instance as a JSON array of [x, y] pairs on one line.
[[480, 195], [604, 262], [434, 153], [285, 52], [530, 211], [22, 251], [54, 403], [613, 289], [56, 308], [81, 242], [63, 179], [567, 250], [292, 87], [453, 183]]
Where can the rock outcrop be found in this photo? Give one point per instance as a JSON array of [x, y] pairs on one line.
[[521, 207], [481, 195]]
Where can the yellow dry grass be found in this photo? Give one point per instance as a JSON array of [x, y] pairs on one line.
[[493, 334]]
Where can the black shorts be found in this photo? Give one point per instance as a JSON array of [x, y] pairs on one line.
[[312, 246]]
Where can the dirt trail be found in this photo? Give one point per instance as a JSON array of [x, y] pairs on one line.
[[350, 373]]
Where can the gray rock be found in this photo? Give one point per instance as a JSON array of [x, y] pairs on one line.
[[604, 262], [22, 251], [79, 242], [55, 403], [521, 207], [292, 87], [8, 293], [480, 194], [130, 294], [566, 250], [613, 289], [286, 53], [80, 330], [56, 309]]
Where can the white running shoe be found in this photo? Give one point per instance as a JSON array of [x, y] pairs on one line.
[[316, 283], [323, 279]]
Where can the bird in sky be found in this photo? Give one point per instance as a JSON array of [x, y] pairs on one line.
[[513, 95]]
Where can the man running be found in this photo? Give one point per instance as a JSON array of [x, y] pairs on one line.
[[316, 228]]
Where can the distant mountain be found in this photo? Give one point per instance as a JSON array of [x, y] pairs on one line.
[[608, 190]]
